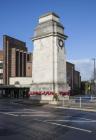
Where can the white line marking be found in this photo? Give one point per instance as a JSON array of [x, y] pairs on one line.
[[85, 118], [29, 109], [77, 109], [76, 128], [77, 121], [78, 118], [27, 112], [71, 127], [48, 121], [44, 115], [6, 113]]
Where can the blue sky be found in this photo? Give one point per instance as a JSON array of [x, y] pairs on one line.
[[18, 18], [86, 68]]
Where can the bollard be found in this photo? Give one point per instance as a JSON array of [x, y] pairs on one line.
[[91, 98], [80, 102], [63, 101]]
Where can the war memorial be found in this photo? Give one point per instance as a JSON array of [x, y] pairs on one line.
[[49, 60]]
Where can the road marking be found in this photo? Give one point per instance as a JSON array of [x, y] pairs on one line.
[[29, 115], [29, 109], [32, 113], [76, 109], [53, 123], [77, 121], [42, 112], [68, 126], [70, 117], [76, 128], [7, 113], [85, 119]]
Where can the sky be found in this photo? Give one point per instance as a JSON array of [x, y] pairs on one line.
[[18, 18], [86, 68]]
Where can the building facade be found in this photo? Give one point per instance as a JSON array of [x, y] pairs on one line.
[[70, 74], [29, 65], [77, 79], [15, 58], [1, 67], [73, 78]]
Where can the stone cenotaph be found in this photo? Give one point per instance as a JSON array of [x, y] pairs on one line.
[[49, 60]]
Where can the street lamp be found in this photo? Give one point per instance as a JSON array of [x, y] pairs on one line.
[[72, 76], [94, 60], [94, 80]]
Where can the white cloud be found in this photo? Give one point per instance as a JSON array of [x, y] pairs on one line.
[[85, 66]]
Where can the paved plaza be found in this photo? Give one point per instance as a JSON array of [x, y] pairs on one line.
[[19, 121]]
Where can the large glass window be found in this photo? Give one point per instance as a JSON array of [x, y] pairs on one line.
[[17, 63], [1, 75], [24, 64], [20, 63], [1, 65]]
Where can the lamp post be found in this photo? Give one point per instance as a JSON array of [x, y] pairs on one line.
[[94, 60], [72, 76]]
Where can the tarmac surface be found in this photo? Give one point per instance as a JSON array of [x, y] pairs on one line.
[[29, 122]]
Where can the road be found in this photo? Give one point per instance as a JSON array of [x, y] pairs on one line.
[[21, 122]]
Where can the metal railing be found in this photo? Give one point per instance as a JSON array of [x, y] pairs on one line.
[[79, 102]]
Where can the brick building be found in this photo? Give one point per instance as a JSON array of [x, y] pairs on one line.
[[29, 65], [70, 74], [73, 77], [1, 67], [15, 59], [77, 79]]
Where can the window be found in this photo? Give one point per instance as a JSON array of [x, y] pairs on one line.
[[1, 65]]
